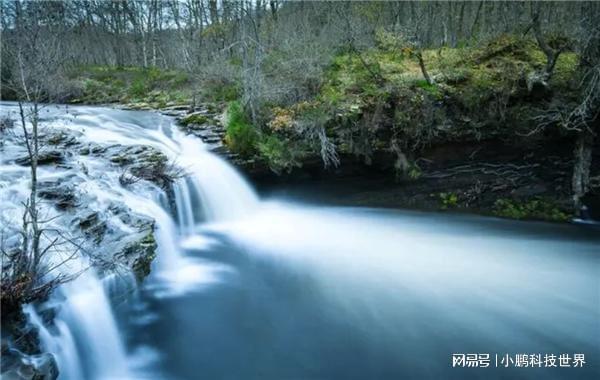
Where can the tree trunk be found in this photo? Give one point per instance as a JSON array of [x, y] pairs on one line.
[[419, 56], [581, 169]]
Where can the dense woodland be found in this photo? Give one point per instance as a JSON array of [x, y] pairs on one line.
[[333, 81]]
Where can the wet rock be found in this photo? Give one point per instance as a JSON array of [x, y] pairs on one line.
[[139, 254], [210, 135], [21, 355], [130, 218], [137, 106], [45, 157], [62, 139], [143, 163], [176, 107], [173, 113], [93, 225], [97, 149], [61, 193], [19, 366]]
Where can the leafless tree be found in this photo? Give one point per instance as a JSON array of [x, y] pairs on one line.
[[586, 115], [26, 272]]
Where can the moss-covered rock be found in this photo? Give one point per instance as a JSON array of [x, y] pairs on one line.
[[194, 118], [139, 254]]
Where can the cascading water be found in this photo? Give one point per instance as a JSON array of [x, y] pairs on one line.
[[85, 339], [224, 193], [308, 292]]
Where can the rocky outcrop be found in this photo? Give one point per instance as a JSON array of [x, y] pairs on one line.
[[18, 366], [45, 157], [204, 122], [139, 254], [22, 358], [60, 192], [113, 236]]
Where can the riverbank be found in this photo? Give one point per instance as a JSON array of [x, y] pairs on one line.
[[99, 178], [482, 137]]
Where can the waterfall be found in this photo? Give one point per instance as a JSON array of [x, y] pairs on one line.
[[223, 193], [84, 337]]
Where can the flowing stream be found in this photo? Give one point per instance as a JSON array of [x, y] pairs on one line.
[[244, 288]]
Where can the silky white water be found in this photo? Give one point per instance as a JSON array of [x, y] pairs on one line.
[[243, 289], [85, 338]]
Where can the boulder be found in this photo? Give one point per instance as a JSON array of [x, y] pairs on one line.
[[92, 224], [61, 193], [45, 157]]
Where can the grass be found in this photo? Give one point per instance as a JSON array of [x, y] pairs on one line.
[[150, 86]]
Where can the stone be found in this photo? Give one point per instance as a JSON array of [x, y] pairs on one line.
[[61, 193], [45, 157], [93, 226]]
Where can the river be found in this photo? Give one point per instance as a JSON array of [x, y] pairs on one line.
[[251, 288]]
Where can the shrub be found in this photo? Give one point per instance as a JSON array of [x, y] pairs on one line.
[[280, 155], [138, 88], [241, 135], [536, 208], [448, 200]]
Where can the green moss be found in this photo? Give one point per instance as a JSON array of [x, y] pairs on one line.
[[241, 135], [121, 160], [57, 138], [194, 119], [144, 252], [148, 239], [536, 208], [566, 68], [155, 158]]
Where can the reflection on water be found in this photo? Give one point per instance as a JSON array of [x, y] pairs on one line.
[[342, 293]]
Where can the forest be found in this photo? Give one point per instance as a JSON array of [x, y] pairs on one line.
[[464, 109], [331, 82]]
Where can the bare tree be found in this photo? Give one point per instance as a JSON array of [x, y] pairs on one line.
[[585, 117], [552, 55], [26, 274]]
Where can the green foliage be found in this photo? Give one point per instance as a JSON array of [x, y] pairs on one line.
[[281, 155], [448, 200], [241, 137], [377, 94], [536, 208], [414, 172], [431, 89], [139, 88]]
